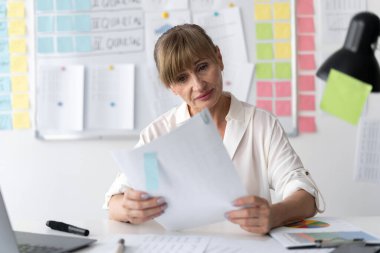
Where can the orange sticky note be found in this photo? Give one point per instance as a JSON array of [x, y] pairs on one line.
[[306, 62], [306, 124], [263, 11], [264, 89], [16, 27], [20, 83], [282, 50], [265, 104], [281, 10], [21, 120], [20, 101], [305, 7], [305, 43], [306, 102], [282, 30], [283, 108], [306, 83], [283, 89], [19, 63], [305, 25]]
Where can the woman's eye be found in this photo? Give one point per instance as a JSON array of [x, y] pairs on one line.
[[181, 79], [202, 67]]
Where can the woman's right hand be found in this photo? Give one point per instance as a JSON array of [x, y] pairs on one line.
[[135, 207]]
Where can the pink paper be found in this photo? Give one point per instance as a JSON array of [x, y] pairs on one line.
[[306, 62], [305, 7], [306, 124], [283, 89], [305, 25], [265, 104], [306, 83], [283, 108], [306, 103], [264, 89], [305, 43]]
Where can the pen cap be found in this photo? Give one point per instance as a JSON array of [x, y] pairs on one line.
[[57, 225]]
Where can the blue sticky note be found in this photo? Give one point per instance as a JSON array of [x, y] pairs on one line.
[[64, 5], [83, 23], [45, 45], [82, 5], [45, 24], [83, 44], [3, 29], [151, 171], [44, 5], [4, 47], [65, 24], [65, 44], [5, 84], [5, 122], [4, 63], [5, 103], [3, 10]]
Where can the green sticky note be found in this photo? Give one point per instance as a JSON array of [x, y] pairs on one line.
[[345, 96], [264, 71], [264, 31], [283, 70], [264, 51]]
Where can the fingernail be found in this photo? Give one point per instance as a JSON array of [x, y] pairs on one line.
[[160, 200], [145, 196], [226, 215]]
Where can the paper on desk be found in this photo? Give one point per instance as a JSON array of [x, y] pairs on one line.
[[192, 171]]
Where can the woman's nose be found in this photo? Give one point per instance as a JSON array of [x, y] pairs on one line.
[[198, 82]]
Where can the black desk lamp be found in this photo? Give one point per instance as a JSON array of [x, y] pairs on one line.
[[357, 57]]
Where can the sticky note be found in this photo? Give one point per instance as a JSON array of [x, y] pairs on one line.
[[83, 44], [3, 10], [16, 9], [20, 101], [264, 51], [63, 5], [344, 96], [5, 103], [5, 122], [305, 25], [19, 63], [306, 124], [281, 10], [21, 120], [264, 31], [83, 23], [265, 105], [4, 63], [4, 46], [306, 62], [20, 83], [65, 44], [16, 27], [282, 30], [283, 108], [17, 45], [45, 45], [282, 50], [5, 84], [283, 70], [305, 7], [283, 89], [263, 11], [151, 170], [45, 24], [264, 89], [44, 5], [82, 5], [306, 83], [305, 43], [264, 71], [306, 102], [65, 23], [3, 29]]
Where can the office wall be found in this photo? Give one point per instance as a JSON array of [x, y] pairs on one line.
[[62, 180]]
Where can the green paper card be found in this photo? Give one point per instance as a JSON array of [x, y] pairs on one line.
[[264, 71], [264, 51], [264, 31], [283, 70], [345, 96]]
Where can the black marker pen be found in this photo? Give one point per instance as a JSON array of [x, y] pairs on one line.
[[60, 226]]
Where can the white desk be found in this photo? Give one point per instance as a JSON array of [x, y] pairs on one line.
[[103, 228]]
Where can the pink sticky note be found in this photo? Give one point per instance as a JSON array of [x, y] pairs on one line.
[[305, 25], [306, 124], [305, 43], [306, 83], [306, 62], [306, 102], [283, 89], [283, 108], [265, 104], [305, 7], [264, 89]]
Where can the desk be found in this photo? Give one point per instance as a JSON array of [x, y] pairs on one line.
[[102, 228]]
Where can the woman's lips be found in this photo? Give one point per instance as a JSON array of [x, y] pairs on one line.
[[205, 96]]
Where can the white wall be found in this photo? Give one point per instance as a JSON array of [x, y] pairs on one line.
[[67, 180]]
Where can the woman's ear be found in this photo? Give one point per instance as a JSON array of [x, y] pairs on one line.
[[219, 58]]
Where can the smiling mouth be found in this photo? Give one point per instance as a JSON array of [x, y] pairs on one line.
[[205, 95]]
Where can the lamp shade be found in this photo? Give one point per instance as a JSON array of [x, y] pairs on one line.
[[357, 57]]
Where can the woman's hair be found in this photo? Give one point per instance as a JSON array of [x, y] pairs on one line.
[[178, 48]]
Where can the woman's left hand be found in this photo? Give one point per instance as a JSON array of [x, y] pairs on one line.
[[253, 216]]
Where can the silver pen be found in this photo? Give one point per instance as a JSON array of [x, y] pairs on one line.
[[120, 246]]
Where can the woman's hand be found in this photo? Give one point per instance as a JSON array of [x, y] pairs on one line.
[[136, 207], [253, 216]]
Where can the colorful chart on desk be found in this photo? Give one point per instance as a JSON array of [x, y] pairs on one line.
[[308, 224]]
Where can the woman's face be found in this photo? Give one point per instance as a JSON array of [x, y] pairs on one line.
[[200, 86]]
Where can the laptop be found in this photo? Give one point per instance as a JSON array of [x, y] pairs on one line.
[[23, 242]]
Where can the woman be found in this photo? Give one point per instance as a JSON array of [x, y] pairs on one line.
[[190, 65]]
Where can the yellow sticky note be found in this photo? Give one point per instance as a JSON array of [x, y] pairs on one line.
[[263, 11], [16, 27], [19, 63], [281, 11], [17, 46], [20, 101], [16, 10], [282, 50], [281, 30], [21, 120], [20, 83]]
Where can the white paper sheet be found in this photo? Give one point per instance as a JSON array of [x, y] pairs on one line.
[[237, 79], [195, 174], [60, 96], [110, 97]]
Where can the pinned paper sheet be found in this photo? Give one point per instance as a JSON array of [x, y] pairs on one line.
[[5, 122], [345, 96], [263, 11], [264, 51], [264, 31], [17, 46], [16, 9], [306, 83], [283, 89], [151, 170], [265, 105], [283, 70], [283, 108], [306, 103], [20, 101], [306, 124], [264, 71], [282, 30], [19, 63], [281, 10], [282, 50], [20, 83], [264, 89], [21, 120], [17, 27], [305, 7], [306, 43], [306, 62], [305, 25]]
